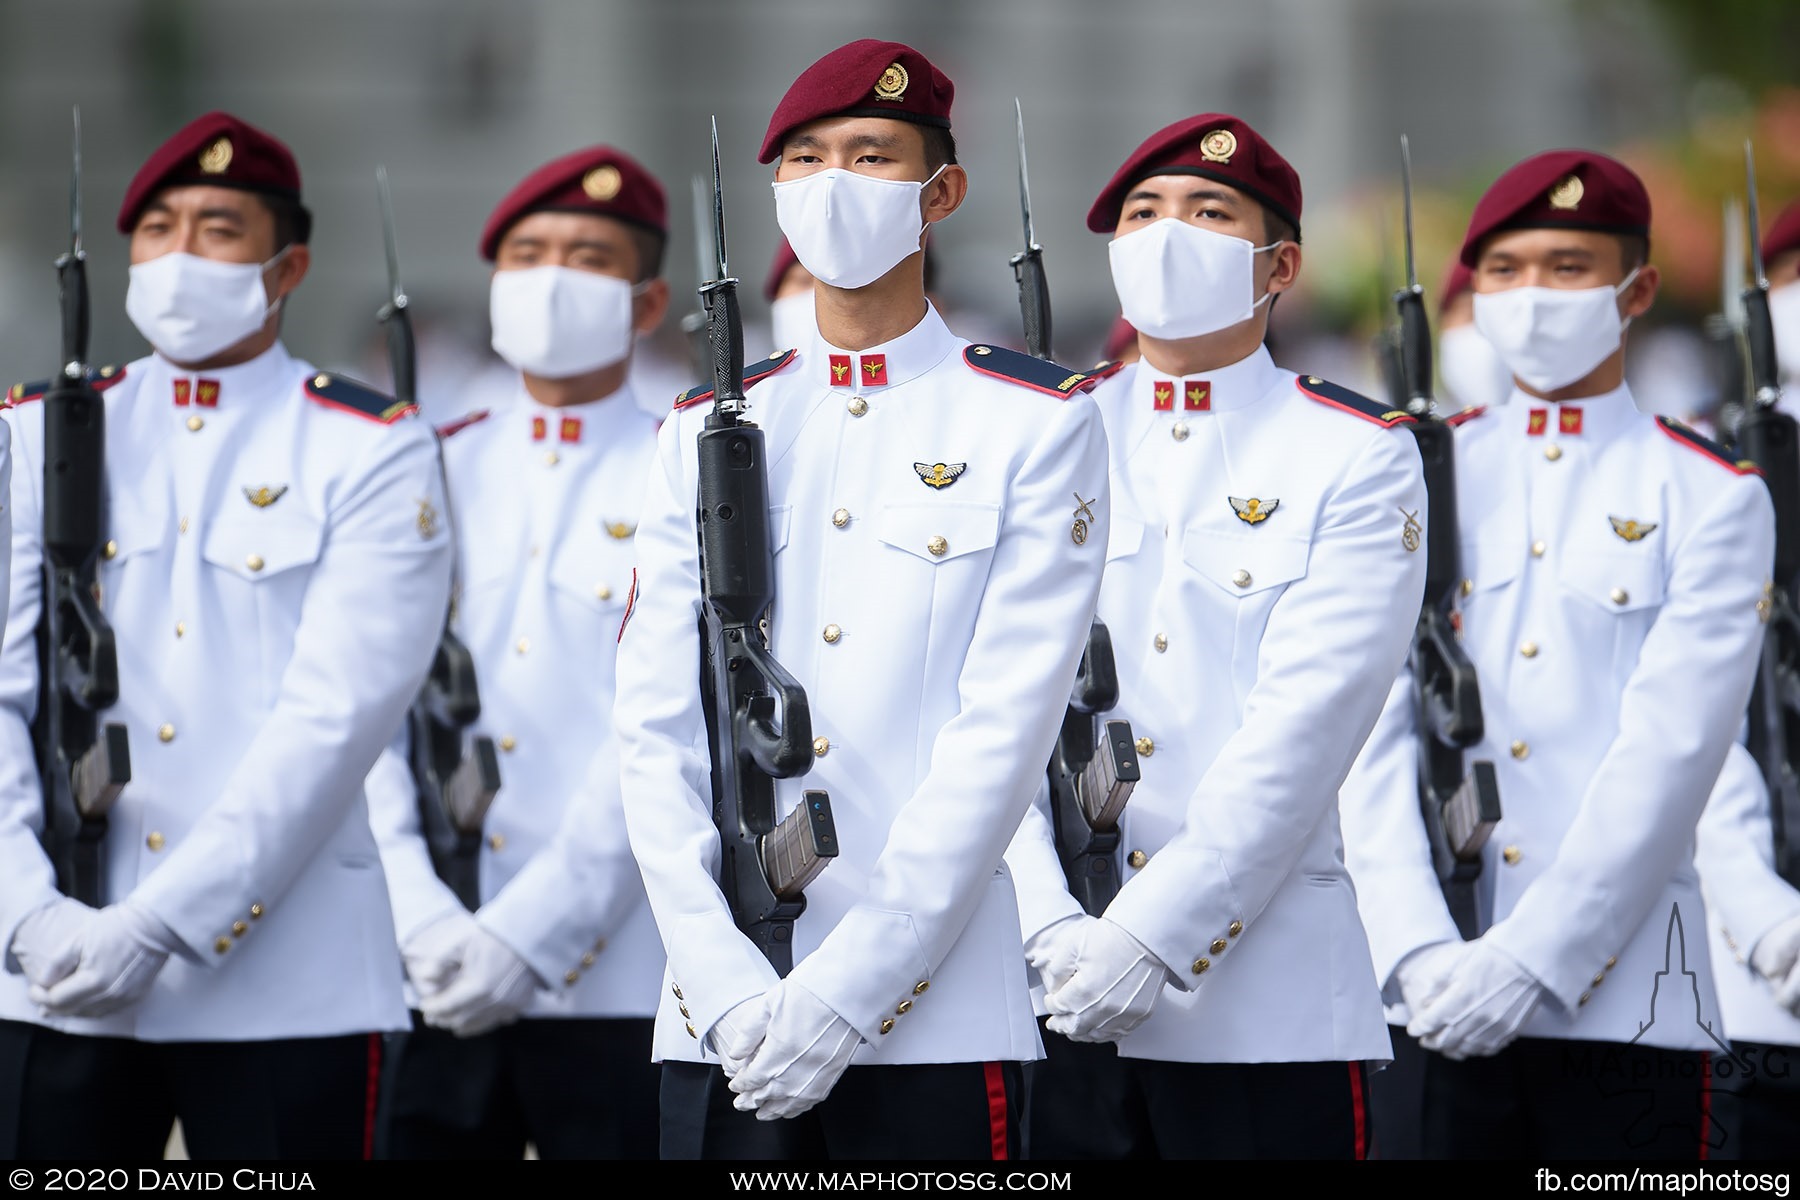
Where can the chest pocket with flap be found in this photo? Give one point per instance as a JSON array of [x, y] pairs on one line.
[[940, 533], [1244, 566], [258, 549], [1616, 580]]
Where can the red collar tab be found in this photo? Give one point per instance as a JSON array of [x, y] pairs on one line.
[[568, 429], [1196, 397], [1162, 396], [1537, 422], [201, 393], [868, 370], [1568, 420]]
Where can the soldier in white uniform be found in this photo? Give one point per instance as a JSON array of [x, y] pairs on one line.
[[278, 540], [1261, 581], [939, 512], [546, 487], [1614, 563]]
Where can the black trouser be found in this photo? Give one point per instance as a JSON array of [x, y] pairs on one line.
[[1541, 1098], [927, 1111], [64, 1096], [573, 1088], [1087, 1102], [1756, 1101], [1397, 1098]]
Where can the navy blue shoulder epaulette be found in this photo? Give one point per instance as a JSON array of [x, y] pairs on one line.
[[1038, 374], [1466, 415], [452, 428], [1106, 368], [100, 377], [1357, 405], [753, 373], [1706, 447], [334, 391]]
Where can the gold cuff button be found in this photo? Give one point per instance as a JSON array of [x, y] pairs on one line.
[[587, 960], [858, 406], [887, 1024], [1218, 946], [1136, 860], [571, 978], [921, 987], [684, 1010], [256, 912], [155, 840], [690, 1030], [841, 517], [676, 988], [221, 945], [165, 733], [1202, 965], [832, 634], [1145, 747], [1520, 750], [1241, 578], [1235, 928], [1599, 978], [1585, 997], [905, 1007], [1512, 855], [937, 546], [1611, 963], [239, 929]]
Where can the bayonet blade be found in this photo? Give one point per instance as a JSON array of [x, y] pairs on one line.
[[1412, 276], [718, 208], [389, 239], [1754, 223], [1731, 262], [703, 251], [1024, 179], [75, 192]]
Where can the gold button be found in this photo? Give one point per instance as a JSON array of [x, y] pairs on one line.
[[508, 742], [1620, 595], [1552, 452], [221, 945], [1468, 586], [690, 1030], [522, 645], [239, 929], [165, 733], [1585, 997], [1512, 855], [194, 424], [254, 562], [921, 987], [603, 592], [676, 988], [905, 1007], [154, 841], [1146, 747], [1241, 578], [551, 459], [587, 960], [1235, 928], [599, 945], [1218, 946], [1180, 431], [321, 380], [111, 551], [1136, 860], [1611, 963], [180, 628], [1162, 642], [887, 1024], [841, 517], [832, 634], [256, 912], [938, 546], [1528, 649], [684, 1010], [1599, 978], [1520, 750], [821, 746], [858, 406], [497, 841], [1201, 965], [571, 977], [1537, 549]]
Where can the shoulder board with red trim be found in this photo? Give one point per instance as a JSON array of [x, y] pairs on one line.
[[1342, 398], [334, 391], [1106, 368], [452, 428], [1038, 374], [753, 372], [1466, 415], [1706, 447], [100, 378]]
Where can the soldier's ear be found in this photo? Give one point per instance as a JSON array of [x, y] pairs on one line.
[[1638, 298], [1284, 267], [945, 194], [296, 260], [650, 305]]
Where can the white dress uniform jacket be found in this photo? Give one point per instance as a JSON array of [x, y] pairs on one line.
[[1614, 562], [5, 518], [1734, 849], [546, 503], [933, 593], [278, 545], [1262, 582]]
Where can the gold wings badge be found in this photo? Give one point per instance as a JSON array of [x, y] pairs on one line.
[[939, 475], [1631, 531], [264, 496], [1253, 511]]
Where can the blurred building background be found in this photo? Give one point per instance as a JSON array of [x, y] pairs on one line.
[[459, 98]]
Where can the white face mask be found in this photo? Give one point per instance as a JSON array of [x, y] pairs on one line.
[[1177, 280], [1784, 315], [849, 229], [792, 320], [557, 322], [1552, 337], [190, 308], [1472, 370]]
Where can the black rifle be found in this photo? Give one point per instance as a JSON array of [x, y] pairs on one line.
[[758, 722], [82, 764], [453, 791], [1459, 810], [1768, 437], [1092, 769]]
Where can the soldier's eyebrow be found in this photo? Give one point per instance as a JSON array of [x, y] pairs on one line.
[[221, 214], [1198, 194]]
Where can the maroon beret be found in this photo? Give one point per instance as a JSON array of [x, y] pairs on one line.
[[1120, 337], [785, 261], [598, 180], [220, 151], [1561, 189], [1457, 280], [1213, 146], [1784, 234], [867, 78]]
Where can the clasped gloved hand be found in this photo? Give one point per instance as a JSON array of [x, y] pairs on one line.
[[490, 989], [1777, 959], [121, 948], [1482, 1008], [1112, 988], [804, 1050]]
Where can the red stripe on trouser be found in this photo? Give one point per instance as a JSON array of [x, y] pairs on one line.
[[1705, 1101], [1359, 1111], [371, 1090], [996, 1093]]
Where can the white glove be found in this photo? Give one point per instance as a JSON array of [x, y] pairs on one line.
[[1051, 950], [123, 946], [433, 955], [493, 986], [803, 1052], [1480, 1011], [47, 944], [1112, 989], [1776, 958], [737, 1034], [1426, 972]]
